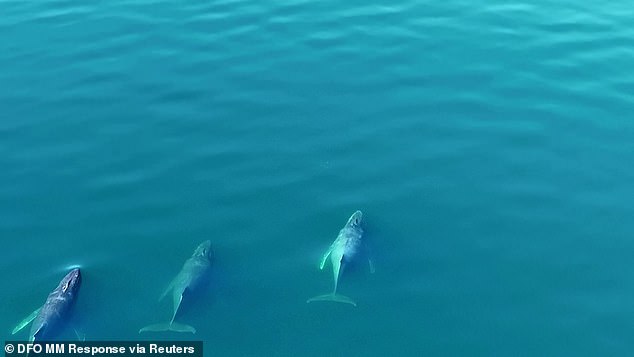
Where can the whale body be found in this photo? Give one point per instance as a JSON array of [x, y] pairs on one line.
[[50, 318], [192, 275], [342, 251]]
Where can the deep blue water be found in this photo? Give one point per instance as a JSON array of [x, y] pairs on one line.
[[489, 145]]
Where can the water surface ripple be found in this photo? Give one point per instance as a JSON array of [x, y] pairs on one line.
[[488, 144]]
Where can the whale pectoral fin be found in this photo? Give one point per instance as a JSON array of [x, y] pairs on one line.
[[178, 299], [370, 256], [168, 289], [80, 335], [336, 268], [324, 258], [26, 321]]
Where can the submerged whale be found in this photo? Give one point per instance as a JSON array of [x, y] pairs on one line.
[[341, 252], [194, 272], [49, 319]]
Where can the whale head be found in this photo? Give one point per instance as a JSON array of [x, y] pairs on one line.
[[71, 282], [355, 219], [204, 250]]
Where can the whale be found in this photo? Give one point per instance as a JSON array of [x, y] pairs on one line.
[[191, 277], [342, 251], [50, 318]]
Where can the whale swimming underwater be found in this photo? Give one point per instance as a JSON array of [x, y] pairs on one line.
[[194, 272], [48, 320], [342, 251]]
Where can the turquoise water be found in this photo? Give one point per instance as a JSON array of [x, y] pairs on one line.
[[489, 145]]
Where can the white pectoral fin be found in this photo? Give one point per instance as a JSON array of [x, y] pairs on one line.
[[336, 268], [370, 257], [80, 335], [26, 321], [324, 258], [178, 299], [168, 289]]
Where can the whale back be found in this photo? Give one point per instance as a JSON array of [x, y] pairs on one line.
[[57, 305]]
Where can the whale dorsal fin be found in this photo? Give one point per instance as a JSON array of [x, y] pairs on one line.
[[27, 320]]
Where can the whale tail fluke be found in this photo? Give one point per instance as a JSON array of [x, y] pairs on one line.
[[173, 326], [333, 297]]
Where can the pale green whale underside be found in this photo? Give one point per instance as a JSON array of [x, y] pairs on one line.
[[336, 252]]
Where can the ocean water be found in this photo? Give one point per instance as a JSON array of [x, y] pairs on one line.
[[489, 145]]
